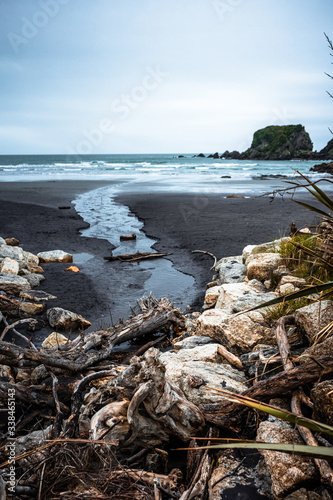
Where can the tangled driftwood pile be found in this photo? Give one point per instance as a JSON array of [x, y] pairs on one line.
[[90, 423]]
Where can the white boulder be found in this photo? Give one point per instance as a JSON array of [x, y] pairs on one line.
[[9, 266], [261, 266], [192, 372], [55, 256]]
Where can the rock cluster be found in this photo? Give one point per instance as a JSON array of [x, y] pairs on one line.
[[19, 273]]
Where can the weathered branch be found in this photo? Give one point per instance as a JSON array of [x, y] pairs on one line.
[[207, 253], [132, 257]]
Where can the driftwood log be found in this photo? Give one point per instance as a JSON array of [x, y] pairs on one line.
[[157, 408], [133, 257], [90, 349], [127, 237]]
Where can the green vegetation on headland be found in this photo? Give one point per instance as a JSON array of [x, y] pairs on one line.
[[280, 142]]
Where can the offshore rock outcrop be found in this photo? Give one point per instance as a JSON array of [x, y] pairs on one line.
[[276, 142], [279, 142]]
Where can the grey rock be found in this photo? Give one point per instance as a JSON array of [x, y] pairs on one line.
[[13, 284], [261, 266], [288, 472], [15, 253], [304, 494], [211, 296], [232, 271], [191, 342], [239, 334], [236, 297], [314, 317], [2, 242], [30, 257], [192, 369], [270, 246], [61, 318], [252, 299], [33, 278]]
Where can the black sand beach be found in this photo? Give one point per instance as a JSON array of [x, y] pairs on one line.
[[180, 222], [222, 226]]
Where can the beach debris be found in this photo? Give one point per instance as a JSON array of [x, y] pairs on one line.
[[34, 268], [74, 269], [110, 422], [9, 266], [55, 256], [136, 256], [126, 237], [207, 253], [53, 340], [13, 284], [64, 208], [13, 242], [122, 415], [235, 196], [62, 318], [167, 411]]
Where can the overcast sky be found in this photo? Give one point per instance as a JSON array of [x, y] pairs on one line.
[[160, 76]]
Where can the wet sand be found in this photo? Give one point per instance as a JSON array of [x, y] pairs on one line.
[[223, 226]]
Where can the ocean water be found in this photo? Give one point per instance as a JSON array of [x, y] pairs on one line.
[[170, 171]]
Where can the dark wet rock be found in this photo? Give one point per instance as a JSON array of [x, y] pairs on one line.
[[325, 168], [34, 268], [13, 242]]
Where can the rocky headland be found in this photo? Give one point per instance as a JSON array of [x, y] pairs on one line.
[[279, 142]]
